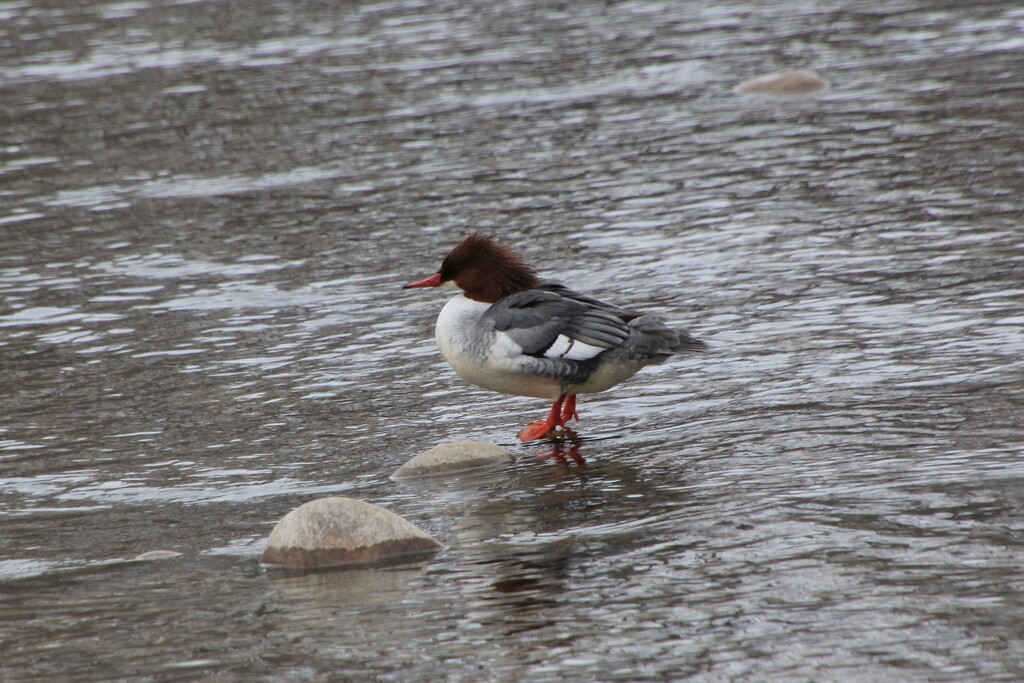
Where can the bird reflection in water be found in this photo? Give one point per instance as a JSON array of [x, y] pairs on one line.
[[565, 446]]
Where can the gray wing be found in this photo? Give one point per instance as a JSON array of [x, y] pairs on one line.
[[546, 324], [623, 314], [651, 338]]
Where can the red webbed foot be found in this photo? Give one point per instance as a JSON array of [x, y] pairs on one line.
[[541, 429]]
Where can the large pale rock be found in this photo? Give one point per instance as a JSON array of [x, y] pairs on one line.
[[784, 83], [338, 531], [454, 457]]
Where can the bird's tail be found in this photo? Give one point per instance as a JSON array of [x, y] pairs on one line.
[[687, 343], [652, 338]]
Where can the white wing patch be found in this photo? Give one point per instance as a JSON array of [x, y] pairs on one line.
[[558, 347], [565, 347]]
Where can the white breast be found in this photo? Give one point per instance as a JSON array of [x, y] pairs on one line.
[[484, 357], [457, 332]]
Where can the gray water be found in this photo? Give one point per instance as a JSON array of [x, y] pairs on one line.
[[207, 210]]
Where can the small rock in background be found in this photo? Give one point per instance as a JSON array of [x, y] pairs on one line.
[[454, 457], [337, 531], [157, 555], [784, 83]]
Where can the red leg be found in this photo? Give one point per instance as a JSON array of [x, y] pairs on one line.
[[541, 428], [569, 410]]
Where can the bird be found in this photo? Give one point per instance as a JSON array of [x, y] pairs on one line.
[[511, 332]]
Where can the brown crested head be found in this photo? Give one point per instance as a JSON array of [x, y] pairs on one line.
[[487, 270]]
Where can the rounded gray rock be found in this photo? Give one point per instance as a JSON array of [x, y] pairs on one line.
[[337, 531], [454, 457], [784, 83]]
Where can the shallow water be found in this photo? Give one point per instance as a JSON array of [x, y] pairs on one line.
[[207, 210]]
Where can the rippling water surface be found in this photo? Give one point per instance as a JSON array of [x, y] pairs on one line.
[[207, 210]]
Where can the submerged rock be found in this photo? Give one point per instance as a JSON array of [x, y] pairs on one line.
[[453, 457], [337, 531], [784, 83], [157, 555]]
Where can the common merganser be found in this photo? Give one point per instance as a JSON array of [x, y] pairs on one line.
[[511, 332]]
